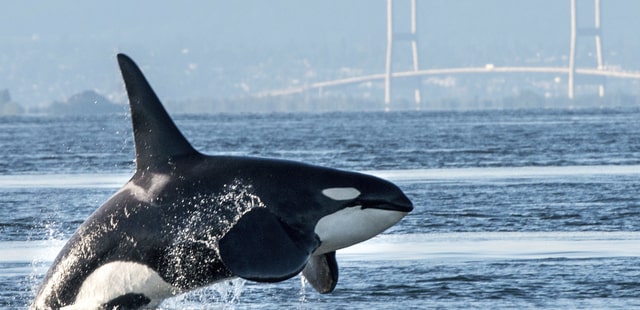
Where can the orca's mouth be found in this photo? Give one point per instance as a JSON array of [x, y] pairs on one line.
[[398, 204]]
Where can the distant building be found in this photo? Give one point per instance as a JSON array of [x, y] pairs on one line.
[[8, 107], [85, 103]]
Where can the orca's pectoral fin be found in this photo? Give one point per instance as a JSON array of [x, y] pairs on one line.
[[260, 247], [322, 272]]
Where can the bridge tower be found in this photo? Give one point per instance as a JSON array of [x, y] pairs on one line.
[[391, 38], [595, 32]]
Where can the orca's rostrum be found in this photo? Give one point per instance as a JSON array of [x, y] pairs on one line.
[[187, 220]]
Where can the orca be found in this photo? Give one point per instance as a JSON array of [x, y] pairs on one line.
[[186, 220]]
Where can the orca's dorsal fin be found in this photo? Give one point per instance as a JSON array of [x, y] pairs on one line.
[[157, 139]]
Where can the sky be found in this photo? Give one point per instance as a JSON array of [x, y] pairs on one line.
[[52, 50]]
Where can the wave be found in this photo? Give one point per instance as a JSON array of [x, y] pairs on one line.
[[527, 172], [29, 251], [97, 180], [474, 246], [116, 180], [471, 246]]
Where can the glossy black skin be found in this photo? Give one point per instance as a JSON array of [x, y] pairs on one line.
[[291, 191], [182, 226]]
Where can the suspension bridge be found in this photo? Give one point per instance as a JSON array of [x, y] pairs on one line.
[[599, 69]]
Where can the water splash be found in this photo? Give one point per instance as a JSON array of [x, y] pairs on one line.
[[230, 290], [40, 264], [303, 289], [210, 216], [222, 295]]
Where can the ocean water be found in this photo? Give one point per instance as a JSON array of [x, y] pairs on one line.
[[513, 209]]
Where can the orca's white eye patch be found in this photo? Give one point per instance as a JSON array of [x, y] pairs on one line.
[[341, 193]]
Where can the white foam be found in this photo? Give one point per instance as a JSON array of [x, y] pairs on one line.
[[101, 180], [415, 175], [434, 246], [117, 180], [30, 251], [495, 246]]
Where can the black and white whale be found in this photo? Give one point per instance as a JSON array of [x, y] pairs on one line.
[[187, 220]]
